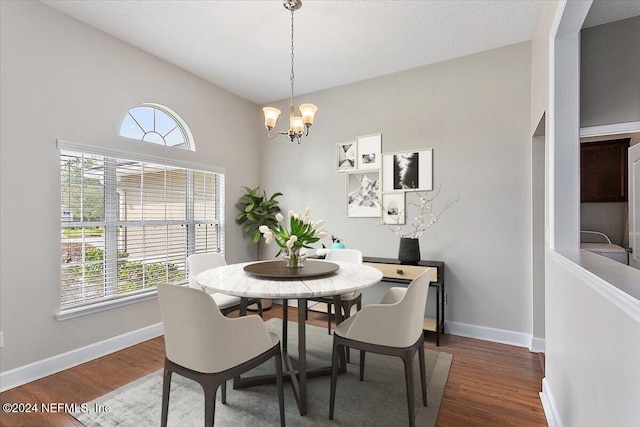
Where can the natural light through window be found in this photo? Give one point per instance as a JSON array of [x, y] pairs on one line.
[[157, 124], [128, 225]]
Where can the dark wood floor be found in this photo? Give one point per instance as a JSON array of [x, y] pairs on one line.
[[489, 384]]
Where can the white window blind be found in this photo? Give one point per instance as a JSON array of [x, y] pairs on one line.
[[127, 225]]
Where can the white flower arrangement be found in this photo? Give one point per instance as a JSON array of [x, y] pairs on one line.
[[301, 231]]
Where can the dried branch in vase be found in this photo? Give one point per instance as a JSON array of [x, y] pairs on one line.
[[425, 218]]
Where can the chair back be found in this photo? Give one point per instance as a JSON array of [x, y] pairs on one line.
[[397, 324], [346, 255], [197, 263], [411, 323], [197, 335]]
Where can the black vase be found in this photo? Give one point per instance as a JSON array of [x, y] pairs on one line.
[[409, 252]]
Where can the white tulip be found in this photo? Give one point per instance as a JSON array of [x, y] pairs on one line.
[[290, 244], [279, 217], [268, 241], [300, 216], [323, 234], [306, 220], [307, 212], [263, 229], [294, 238], [291, 213], [318, 224]]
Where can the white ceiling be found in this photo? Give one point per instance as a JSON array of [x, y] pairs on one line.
[[244, 46]]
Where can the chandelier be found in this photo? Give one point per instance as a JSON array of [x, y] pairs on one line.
[[298, 125]]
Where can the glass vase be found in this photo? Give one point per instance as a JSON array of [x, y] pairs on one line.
[[294, 257]]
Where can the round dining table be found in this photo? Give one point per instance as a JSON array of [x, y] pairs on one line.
[[313, 280]]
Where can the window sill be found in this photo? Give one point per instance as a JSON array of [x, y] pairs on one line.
[[104, 305]]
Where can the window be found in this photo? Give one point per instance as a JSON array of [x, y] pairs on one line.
[[128, 224], [157, 124]]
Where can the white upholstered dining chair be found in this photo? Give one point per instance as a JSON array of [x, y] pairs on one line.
[[209, 348], [197, 263], [347, 300], [395, 328]]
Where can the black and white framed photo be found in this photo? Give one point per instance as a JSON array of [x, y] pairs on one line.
[[408, 170], [363, 194], [346, 154], [393, 208], [369, 152]]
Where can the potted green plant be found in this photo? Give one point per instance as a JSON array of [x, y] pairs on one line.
[[256, 210]]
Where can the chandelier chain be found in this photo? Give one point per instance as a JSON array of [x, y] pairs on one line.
[[292, 75]]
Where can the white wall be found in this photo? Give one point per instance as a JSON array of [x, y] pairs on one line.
[[592, 327], [474, 112], [593, 341], [610, 58], [63, 79]]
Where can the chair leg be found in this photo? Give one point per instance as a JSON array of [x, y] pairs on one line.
[[278, 359], [166, 389], [210, 389], [362, 353], [408, 373], [329, 318], [334, 376], [423, 374], [259, 304], [224, 393]]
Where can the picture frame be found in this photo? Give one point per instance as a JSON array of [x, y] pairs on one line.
[[363, 194], [346, 156], [369, 152], [393, 208], [407, 171]]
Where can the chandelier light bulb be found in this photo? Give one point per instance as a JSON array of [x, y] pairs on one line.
[[270, 117], [297, 125], [308, 111]]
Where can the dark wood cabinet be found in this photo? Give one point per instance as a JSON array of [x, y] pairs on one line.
[[603, 171]]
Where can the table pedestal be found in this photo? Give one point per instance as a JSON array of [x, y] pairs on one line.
[[297, 375]]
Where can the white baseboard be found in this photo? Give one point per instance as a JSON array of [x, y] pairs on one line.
[[537, 345], [42, 368], [488, 334], [548, 405]]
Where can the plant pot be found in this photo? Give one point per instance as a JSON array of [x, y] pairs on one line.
[[409, 252]]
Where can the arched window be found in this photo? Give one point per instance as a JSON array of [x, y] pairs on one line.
[[157, 124]]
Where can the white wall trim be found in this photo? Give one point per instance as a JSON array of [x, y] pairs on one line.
[[169, 159], [503, 336], [36, 370], [612, 129], [537, 345], [620, 299], [548, 405], [97, 307]]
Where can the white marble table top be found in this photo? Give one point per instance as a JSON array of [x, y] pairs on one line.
[[233, 280]]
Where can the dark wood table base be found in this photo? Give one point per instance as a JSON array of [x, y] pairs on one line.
[[294, 371]]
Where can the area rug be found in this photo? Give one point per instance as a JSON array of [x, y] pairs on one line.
[[380, 400]]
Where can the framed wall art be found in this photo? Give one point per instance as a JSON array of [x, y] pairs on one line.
[[346, 156], [407, 170], [393, 208], [369, 152], [363, 194]]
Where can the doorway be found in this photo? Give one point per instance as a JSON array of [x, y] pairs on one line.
[[616, 220]]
